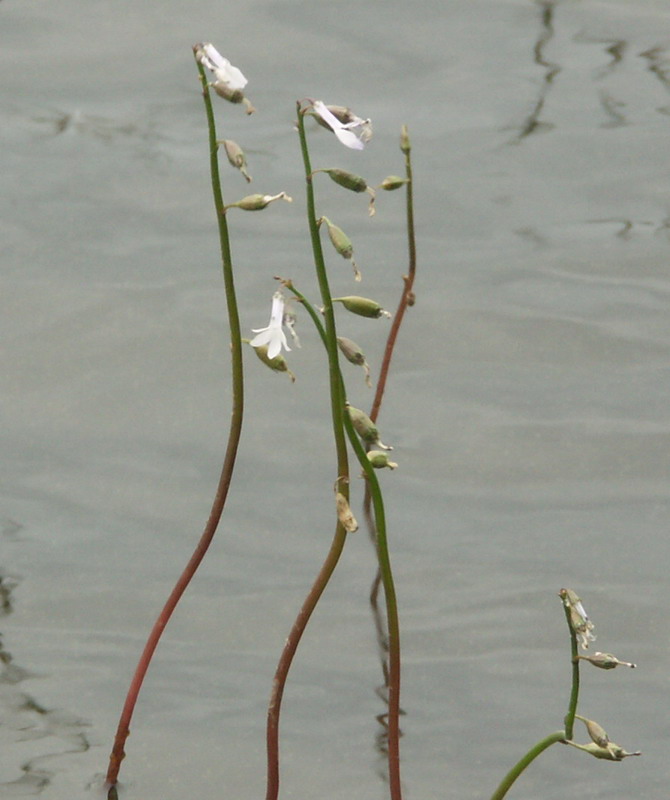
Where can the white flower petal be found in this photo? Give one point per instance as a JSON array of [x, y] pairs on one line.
[[326, 115], [341, 130], [273, 335], [223, 70], [349, 139]]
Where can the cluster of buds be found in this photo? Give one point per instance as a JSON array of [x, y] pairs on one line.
[[600, 745]]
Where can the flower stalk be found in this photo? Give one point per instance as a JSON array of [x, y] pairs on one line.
[[118, 752], [339, 538]]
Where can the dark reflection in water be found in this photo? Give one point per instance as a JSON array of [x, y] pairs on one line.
[[532, 122], [28, 718]]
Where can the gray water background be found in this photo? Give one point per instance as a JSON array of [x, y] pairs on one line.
[[528, 402]]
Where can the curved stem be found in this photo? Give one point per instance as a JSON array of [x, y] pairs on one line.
[[520, 766], [337, 414], [219, 501]]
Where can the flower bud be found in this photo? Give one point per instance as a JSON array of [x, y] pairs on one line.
[[380, 459], [346, 179], [365, 427], [342, 243], [352, 182], [257, 202], [612, 752], [362, 306], [596, 732], [236, 157], [405, 145], [606, 661], [580, 623], [393, 182], [344, 514], [277, 364], [353, 353]]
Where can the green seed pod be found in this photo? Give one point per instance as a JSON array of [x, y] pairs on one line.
[[379, 459], [363, 425], [236, 157], [362, 306], [257, 202], [342, 244], [347, 179], [353, 353], [392, 182]]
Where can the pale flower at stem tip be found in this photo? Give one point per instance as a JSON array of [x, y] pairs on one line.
[[220, 67], [228, 80], [273, 335], [579, 619], [343, 130]]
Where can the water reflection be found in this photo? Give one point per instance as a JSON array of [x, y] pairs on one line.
[[532, 123], [27, 718]]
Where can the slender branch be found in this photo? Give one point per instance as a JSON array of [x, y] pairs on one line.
[[390, 648], [219, 501], [520, 766], [407, 296]]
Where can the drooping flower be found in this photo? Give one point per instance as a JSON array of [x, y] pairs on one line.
[[343, 130], [273, 335], [224, 72], [228, 80]]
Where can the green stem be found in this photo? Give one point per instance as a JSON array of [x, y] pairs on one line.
[[520, 766], [337, 414], [574, 693], [118, 753]]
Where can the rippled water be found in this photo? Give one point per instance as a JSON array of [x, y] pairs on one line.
[[528, 403]]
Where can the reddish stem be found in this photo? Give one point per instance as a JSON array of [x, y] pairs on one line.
[[117, 755]]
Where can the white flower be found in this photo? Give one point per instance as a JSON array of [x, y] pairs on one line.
[[343, 129], [224, 72], [273, 336]]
